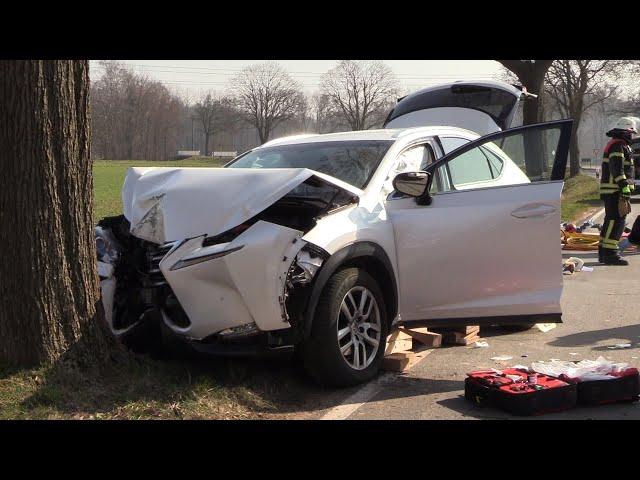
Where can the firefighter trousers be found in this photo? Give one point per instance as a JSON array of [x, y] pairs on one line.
[[613, 225]]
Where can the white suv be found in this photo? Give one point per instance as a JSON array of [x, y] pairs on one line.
[[320, 243]]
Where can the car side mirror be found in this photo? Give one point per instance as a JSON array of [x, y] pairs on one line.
[[414, 184]]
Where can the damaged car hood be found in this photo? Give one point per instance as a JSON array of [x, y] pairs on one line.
[[166, 204]]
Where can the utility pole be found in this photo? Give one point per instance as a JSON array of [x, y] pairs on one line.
[[192, 134]]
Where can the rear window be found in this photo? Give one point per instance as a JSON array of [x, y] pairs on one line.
[[496, 103]]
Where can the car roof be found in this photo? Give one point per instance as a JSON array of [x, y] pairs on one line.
[[391, 134]]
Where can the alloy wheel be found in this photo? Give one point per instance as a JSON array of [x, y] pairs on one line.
[[359, 328]]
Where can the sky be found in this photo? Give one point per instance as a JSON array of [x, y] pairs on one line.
[[194, 77]]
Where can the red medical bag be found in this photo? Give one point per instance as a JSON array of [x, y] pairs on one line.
[[624, 388], [530, 394]]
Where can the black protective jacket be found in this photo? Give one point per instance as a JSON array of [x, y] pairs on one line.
[[617, 167]]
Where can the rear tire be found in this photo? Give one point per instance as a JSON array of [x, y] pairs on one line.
[[347, 347]]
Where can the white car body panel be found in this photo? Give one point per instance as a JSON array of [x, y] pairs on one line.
[[168, 204], [462, 256], [473, 120], [242, 287]]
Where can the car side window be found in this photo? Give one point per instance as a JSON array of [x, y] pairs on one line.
[[413, 159], [449, 144], [477, 165]]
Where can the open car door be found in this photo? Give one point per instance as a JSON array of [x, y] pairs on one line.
[[489, 254], [482, 107]]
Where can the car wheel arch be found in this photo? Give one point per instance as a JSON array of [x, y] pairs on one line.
[[369, 256]]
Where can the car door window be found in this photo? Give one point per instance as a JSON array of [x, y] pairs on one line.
[[449, 144], [480, 165], [533, 150], [470, 167]]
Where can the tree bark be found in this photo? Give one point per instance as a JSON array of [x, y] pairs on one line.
[[531, 75], [574, 149], [50, 306]]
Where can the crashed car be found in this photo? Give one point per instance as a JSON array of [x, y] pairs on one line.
[[319, 244]]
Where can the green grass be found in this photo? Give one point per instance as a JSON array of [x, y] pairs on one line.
[[580, 197], [108, 177], [155, 389]]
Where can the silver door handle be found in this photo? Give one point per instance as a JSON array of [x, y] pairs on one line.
[[533, 210]]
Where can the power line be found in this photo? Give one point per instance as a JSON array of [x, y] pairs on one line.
[[232, 71]]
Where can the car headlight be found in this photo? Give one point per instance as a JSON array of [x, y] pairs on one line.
[[204, 257]]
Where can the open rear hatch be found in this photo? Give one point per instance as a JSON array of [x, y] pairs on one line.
[[482, 107]]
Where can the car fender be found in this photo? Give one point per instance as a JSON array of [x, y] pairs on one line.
[[354, 254]]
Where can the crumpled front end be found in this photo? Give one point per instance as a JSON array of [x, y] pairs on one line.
[[248, 280]]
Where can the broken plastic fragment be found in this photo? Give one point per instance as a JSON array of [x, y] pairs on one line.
[[619, 346], [545, 327], [501, 358], [480, 344], [600, 369]]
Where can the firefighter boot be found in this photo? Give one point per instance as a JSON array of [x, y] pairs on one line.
[[613, 258]]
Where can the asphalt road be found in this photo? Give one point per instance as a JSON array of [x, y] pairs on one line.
[[600, 309]]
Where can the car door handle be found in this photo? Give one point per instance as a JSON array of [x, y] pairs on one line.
[[534, 210]]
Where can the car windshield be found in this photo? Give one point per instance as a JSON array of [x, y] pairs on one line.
[[353, 162]]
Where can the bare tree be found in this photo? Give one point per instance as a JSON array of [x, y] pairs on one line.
[[362, 91], [133, 117], [267, 96], [205, 112], [50, 305], [322, 112], [574, 86]]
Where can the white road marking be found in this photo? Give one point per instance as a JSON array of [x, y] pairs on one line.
[[364, 394]]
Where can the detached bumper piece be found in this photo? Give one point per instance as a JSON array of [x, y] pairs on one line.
[[256, 345]]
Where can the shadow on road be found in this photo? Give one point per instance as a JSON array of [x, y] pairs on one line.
[[630, 333]]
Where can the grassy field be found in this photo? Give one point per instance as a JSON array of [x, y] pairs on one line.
[[580, 198], [108, 176]]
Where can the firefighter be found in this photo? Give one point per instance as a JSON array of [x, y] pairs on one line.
[[616, 182]]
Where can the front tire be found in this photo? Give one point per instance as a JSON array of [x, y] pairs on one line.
[[349, 331]]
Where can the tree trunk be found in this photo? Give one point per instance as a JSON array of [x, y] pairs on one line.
[[574, 150], [531, 76], [206, 144], [50, 306]]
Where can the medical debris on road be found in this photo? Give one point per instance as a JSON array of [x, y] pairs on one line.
[[554, 386]]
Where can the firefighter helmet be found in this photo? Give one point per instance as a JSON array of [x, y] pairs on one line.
[[627, 123]]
